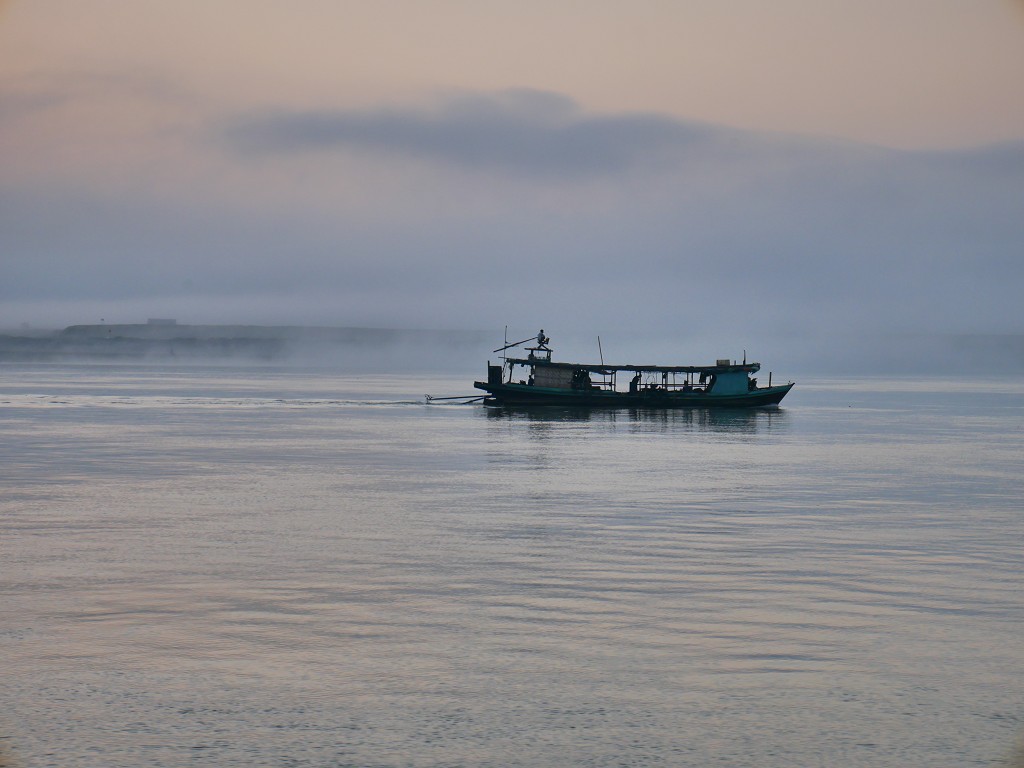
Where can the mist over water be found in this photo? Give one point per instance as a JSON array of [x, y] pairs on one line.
[[463, 352], [274, 566]]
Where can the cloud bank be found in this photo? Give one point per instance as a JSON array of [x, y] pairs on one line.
[[518, 132]]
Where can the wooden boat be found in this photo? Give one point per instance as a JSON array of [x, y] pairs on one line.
[[538, 380]]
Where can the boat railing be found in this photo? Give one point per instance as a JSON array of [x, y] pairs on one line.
[[673, 387], [607, 383]]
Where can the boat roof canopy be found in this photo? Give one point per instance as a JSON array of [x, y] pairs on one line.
[[607, 369]]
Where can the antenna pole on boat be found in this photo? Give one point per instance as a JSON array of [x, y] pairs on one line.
[[513, 344], [744, 357], [599, 350]]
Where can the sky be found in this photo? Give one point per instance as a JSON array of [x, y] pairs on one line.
[[748, 169]]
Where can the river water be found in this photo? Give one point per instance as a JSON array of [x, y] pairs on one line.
[[270, 567]]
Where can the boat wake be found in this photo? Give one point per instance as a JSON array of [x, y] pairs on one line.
[[108, 401]]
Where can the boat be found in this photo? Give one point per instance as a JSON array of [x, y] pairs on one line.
[[538, 380]]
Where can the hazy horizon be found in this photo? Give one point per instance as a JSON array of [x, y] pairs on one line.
[[793, 355]]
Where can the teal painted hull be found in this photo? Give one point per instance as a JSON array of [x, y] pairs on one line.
[[526, 394]]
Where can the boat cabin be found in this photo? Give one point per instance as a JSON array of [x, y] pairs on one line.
[[538, 370]]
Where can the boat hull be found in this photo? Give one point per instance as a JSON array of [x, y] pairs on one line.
[[527, 394]]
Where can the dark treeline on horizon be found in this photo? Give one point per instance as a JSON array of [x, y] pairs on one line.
[[394, 348]]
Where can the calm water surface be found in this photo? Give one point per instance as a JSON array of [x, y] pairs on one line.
[[276, 568]]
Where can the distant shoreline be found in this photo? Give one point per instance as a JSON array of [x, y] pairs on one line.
[[355, 348], [171, 341]]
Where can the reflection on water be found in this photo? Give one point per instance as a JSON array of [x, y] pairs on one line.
[[740, 420], [247, 570]]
